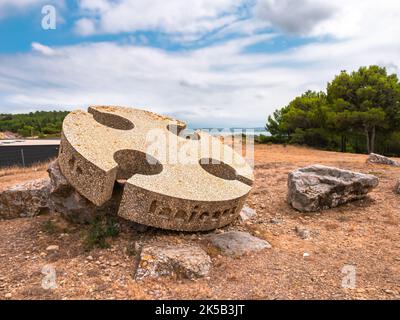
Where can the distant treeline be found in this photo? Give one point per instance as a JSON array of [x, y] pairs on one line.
[[359, 112], [39, 123]]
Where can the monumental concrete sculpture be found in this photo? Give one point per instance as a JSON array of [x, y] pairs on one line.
[[172, 179]]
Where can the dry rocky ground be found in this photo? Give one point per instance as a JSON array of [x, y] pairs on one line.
[[364, 234]]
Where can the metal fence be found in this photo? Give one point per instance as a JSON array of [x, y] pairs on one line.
[[26, 155]]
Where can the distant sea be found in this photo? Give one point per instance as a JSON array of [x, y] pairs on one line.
[[224, 131]]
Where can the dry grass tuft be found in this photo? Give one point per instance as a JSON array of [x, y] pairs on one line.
[[14, 170], [14, 175]]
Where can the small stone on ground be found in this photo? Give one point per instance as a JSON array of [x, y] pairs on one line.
[[378, 159], [247, 213], [184, 261], [303, 233], [52, 248], [237, 242]]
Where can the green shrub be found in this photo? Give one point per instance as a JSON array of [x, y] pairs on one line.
[[100, 230]]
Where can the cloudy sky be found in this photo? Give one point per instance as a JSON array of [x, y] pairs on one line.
[[211, 63]]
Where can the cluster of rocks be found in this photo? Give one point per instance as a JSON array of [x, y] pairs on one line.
[[310, 189], [187, 261], [191, 261], [34, 197]]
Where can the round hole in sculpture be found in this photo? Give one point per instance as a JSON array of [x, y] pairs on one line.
[[218, 168], [131, 162], [111, 120]]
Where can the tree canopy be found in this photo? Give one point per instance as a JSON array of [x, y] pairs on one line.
[[40, 123], [360, 112]]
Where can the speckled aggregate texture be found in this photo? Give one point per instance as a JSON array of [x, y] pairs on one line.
[[168, 182]]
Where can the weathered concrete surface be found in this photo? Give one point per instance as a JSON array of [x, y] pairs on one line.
[[237, 243], [182, 261], [73, 206], [319, 187], [27, 199], [178, 192], [378, 159]]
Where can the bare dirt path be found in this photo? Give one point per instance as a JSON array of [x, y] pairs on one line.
[[364, 235]]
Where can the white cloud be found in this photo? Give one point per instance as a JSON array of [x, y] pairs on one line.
[[19, 3], [45, 50], [363, 18], [85, 27], [189, 20], [174, 16], [193, 18], [294, 16], [95, 5], [341, 19], [188, 84], [216, 85], [9, 7]]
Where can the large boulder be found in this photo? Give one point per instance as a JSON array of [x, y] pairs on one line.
[[397, 188], [27, 199], [236, 243], [182, 261], [318, 187], [73, 206], [378, 159]]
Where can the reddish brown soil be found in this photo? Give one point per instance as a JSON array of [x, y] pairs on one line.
[[15, 175], [364, 234]]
